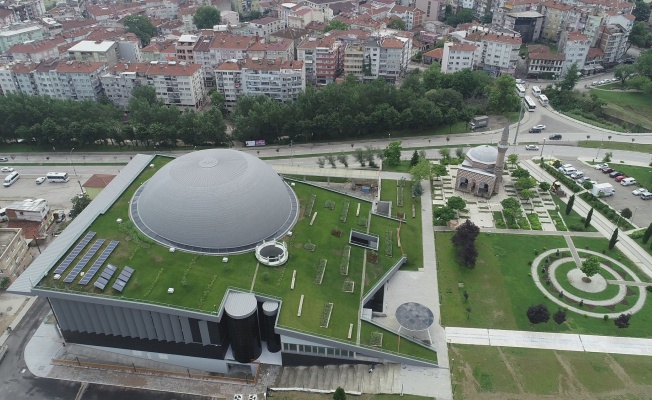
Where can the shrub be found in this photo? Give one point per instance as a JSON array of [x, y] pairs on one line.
[[538, 314], [559, 317], [605, 317], [622, 321], [336, 232]]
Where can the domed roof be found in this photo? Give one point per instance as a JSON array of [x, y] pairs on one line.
[[483, 154], [214, 201]]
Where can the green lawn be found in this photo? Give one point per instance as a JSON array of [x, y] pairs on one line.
[[574, 222], [632, 107], [562, 271], [647, 246], [602, 245], [281, 395], [609, 145], [513, 373], [391, 343], [643, 176], [501, 289], [403, 166]]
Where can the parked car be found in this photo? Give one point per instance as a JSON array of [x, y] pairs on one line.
[[646, 196], [628, 181], [607, 170], [534, 130], [582, 180], [4, 159], [577, 175], [594, 83], [61, 215], [540, 126], [640, 191], [620, 178], [555, 137], [40, 180], [600, 166], [615, 174], [531, 147], [520, 81], [7, 169]]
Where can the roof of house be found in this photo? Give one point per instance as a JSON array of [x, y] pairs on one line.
[[402, 9], [391, 43], [595, 52], [79, 67], [229, 41], [557, 6], [270, 65], [161, 68], [30, 228], [492, 37], [290, 33], [547, 56], [36, 47], [77, 23], [342, 7], [437, 54], [98, 181], [318, 42], [264, 21], [229, 66], [577, 36], [281, 45], [463, 47], [92, 46]]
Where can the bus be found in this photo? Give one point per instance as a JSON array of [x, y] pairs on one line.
[[57, 177], [529, 104], [520, 90], [536, 91], [543, 99]]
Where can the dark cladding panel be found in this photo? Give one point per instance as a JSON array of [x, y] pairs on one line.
[[91, 310], [149, 324], [140, 324], [104, 320], [158, 324], [203, 329], [167, 327], [122, 322], [216, 331], [185, 327], [80, 319], [268, 319], [176, 328], [194, 328], [242, 312], [64, 324], [110, 313], [129, 317]]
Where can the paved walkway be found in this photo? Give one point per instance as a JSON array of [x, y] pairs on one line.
[[573, 250], [530, 233], [550, 341]]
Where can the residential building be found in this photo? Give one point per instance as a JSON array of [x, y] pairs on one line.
[[614, 36], [594, 60], [385, 57], [457, 57], [323, 6], [363, 22], [430, 8], [153, 52], [176, 83], [78, 80], [322, 59], [279, 80], [558, 17], [294, 34], [263, 27], [86, 50], [230, 18], [593, 28], [7, 17], [25, 10], [36, 51], [411, 16], [185, 47], [499, 53], [354, 60], [282, 50], [433, 56], [186, 15], [528, 23], [15, 255], [301, 16], [129, 48], [17, 77], [212, 51], [543, 63], [513, 6], [33, 217], [20, 33], [575, 47]]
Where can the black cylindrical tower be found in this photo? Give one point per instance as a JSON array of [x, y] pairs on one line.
[[242, 310], [270, 309]]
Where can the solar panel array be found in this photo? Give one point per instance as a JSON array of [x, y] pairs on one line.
[[122, 280], [106, 275], [75, 252], [98, 263], [82, 263]]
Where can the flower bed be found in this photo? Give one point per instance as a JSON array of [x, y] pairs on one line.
[[321, 268], [376, 339], [534, 221], [348, 286], [388, 242], [345, 211], [330, 204], [326, 315], [344, 263], [311, 204]]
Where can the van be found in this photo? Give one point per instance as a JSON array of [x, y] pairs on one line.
[[11, 178], [568, 171], [3, 215], [646, 196], [628, 181]]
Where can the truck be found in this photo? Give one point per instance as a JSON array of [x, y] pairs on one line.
[[603, 190], [479, 122]]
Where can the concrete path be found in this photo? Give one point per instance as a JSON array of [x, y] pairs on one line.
[[573, 250], [529, 232], [550, 341]]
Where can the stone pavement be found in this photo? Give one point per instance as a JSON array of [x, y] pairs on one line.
[[550, 341]]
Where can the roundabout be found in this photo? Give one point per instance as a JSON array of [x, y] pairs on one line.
[[563, 282]]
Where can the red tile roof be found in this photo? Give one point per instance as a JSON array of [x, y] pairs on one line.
[[577, 36], [503, 39], [463, 47], [435, 53], [36, 47]]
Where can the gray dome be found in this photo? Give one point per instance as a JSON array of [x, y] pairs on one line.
[[483, 154], [214, 201]]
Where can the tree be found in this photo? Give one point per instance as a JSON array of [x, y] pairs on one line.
[[421, 170], [520, 172], [439, 170], [569, 205], [487, 18], [339, 394], [417, 189], [570, 79], [445, 153], [640, 35], [544, 186], [513, 159], [587, 221], [626, 213], [343, 159], [614, 239], [456, 203], [462, 16], [465, 233], [358, 155], [641, 11], [415, 159], [538, 314], [527, 194], [622, 321], [587, 185], [80, 202], [459, 152], [525, 183], [331, 160], [397, 23], [443, 214], [140, 26], [335, 24], [502, 97], [647, 234], [206, 17], [624, 71], [590, 266], [607, 157], [644, 63], [392, 153], [559, 317]]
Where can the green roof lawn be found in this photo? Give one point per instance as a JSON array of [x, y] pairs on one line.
[[200, 281]]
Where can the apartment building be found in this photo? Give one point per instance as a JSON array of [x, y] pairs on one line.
[[279, 80], [558, 17], [499, 52], [513, 6], [186, 15], [575, 47], [528, 23], [15, 255], [282, 50], [430, 9], [35, 51], [20, 33], [322, 59], [212, 51], [25, 10], [176, 83], [354, 60], [301, 16], [185, 47], [614, 36], [95, 51], [18, 77], [77, 80], [457, 57], [385, 58], [263, 27], [411, 16]]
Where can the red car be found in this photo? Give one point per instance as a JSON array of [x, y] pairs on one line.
[[607, 170], [620, 178]]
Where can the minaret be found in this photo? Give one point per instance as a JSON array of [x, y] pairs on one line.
[[500, 161]]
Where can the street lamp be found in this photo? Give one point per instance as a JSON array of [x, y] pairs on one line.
[[71, 163], [542, 147]]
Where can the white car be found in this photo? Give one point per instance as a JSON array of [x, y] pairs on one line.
[[531, 147], [40, 180], [540, 126], [7, 169], [577, 175], [594, 83], [520, 81], [601, 166], [640, 191]]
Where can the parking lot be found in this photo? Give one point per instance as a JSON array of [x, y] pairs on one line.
[[622, 198]]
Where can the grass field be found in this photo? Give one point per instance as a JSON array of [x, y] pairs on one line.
[[501, 289], [391, 342], [632, 107], [573, 221], [314, 396], [608, 145], [484, 372], [643, 175], [200, 281]]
